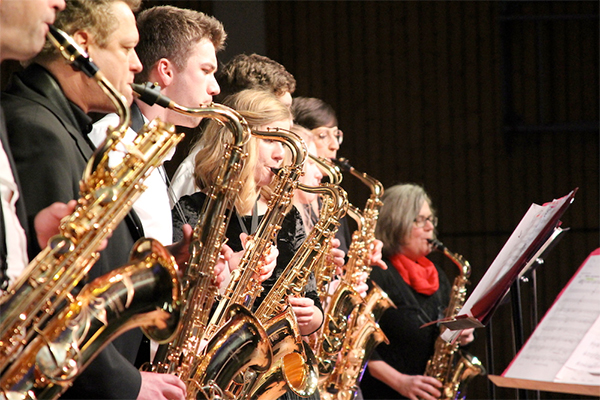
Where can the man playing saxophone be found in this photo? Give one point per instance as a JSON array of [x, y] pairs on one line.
[[24, 27], [185, 71], [46, 108], [419, 289]]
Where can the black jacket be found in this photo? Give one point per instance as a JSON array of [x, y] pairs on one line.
[[47, 135], [410, 345]]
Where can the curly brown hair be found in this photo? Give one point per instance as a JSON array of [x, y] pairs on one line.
[[255, 72]]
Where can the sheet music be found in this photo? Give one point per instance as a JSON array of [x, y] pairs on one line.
[[568, 336], [584, 364], [528, 229]]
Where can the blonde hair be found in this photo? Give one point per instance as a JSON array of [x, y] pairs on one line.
[[259, 108], [305, 134]]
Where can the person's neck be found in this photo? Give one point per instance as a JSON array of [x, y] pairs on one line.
[[152, 112], [74, 84], [262, 205]]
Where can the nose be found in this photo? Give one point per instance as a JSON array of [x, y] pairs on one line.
[[58, 5], [213, 88], [318, 173], [135, 65], [333, 143], [278, 152]]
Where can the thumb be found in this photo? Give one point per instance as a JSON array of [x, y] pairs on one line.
[[244, 239]]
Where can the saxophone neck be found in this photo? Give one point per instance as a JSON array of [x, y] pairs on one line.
[[150, 94], [332, 170], [373, 184], [311, 252], [457, 259]]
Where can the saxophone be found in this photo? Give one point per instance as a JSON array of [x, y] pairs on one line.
[[188, 355], [351, 325], [46, 286], [325, 268], [449, 365], [294, 364], [144, 293], [243, 288]]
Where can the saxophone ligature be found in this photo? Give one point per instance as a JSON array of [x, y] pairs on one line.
[[32, 317], [448, 364]]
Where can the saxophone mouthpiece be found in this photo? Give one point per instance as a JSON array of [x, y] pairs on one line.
[[275, 170], [436, 244], [343, 163], [150, 94], [71, 51]]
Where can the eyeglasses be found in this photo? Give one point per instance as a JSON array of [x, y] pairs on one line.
[[324, 134], [421, 221]]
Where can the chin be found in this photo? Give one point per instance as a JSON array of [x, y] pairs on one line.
[[190, 123]]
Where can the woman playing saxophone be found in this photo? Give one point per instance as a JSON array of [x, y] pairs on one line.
[[262, 111], [421, 292]]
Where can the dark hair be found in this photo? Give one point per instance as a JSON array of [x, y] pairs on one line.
[[170, 32], [254, 72], [312, 113]]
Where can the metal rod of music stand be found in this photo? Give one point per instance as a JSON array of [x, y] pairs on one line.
[[490, 359], [517, 320]]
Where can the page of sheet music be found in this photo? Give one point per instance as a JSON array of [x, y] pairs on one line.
[[530, 226], [584, 364], [567, 335]]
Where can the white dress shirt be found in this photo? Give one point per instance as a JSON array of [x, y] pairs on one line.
[[183, 182], [16, 241], [152, 207]]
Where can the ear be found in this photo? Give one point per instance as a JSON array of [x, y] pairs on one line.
[[165, 72], [83, 39]]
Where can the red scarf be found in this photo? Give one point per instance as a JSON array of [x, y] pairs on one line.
[[421, 275]]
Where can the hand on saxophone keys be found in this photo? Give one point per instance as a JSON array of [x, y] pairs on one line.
[[47, 221], [361, 287], [375, 254], [222, 267], [337, 255], [267, 264], [161, 386], [181, 249], [308, 316]]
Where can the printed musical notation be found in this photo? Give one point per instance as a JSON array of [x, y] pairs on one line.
[[565, 346], [532, 236]]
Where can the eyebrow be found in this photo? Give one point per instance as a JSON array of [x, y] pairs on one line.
[[209, 64]]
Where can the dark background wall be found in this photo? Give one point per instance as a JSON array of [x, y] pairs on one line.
[[490, 105]]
